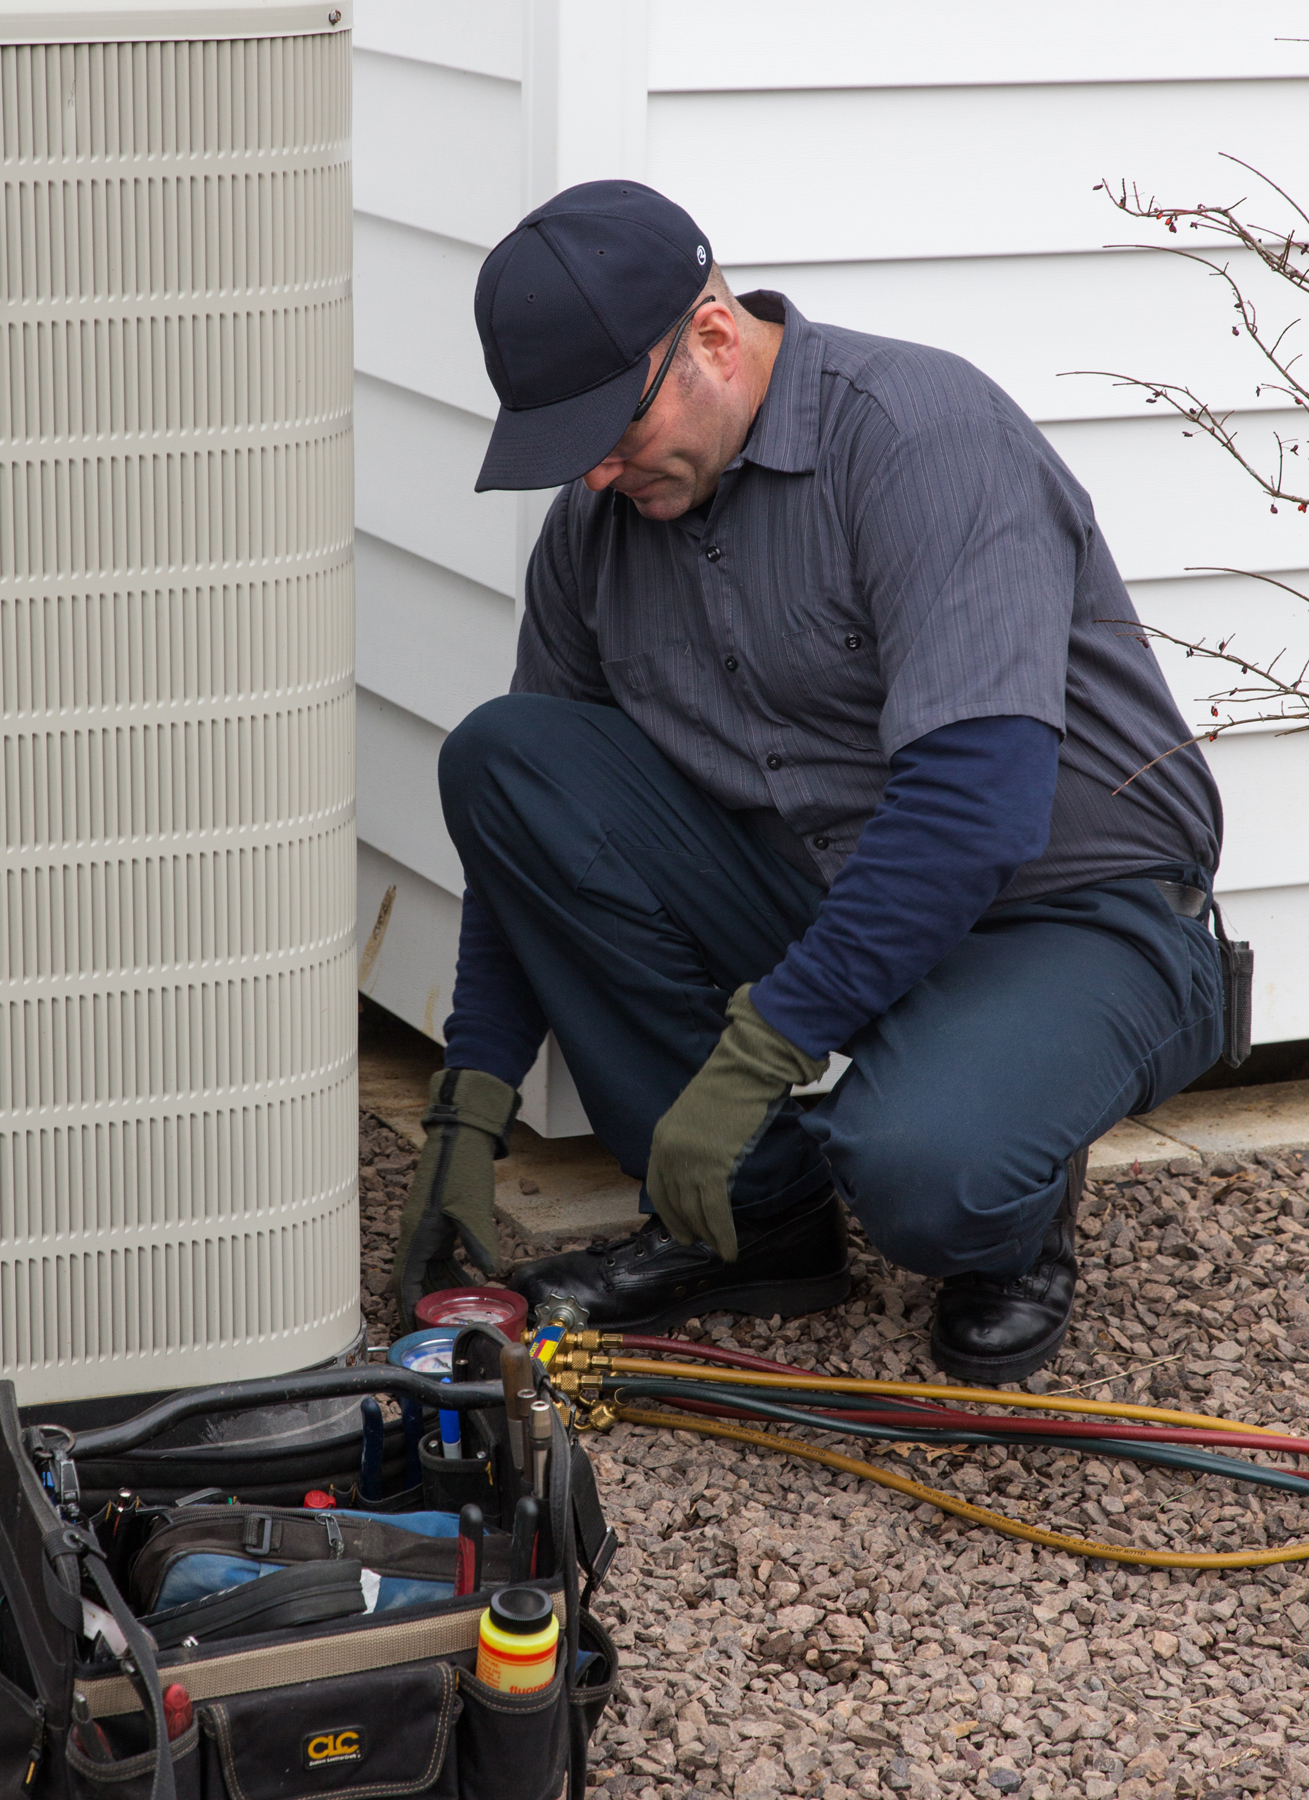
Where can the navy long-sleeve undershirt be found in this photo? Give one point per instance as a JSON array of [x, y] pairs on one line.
[[964, 808], [496, 1023]]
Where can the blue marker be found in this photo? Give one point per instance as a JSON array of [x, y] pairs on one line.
[[451, 1440]]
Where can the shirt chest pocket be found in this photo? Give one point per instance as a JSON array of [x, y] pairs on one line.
[[669, 680], [664, 691], [836, 685]]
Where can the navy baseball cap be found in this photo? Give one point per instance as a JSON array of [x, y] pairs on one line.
[[568, 307]]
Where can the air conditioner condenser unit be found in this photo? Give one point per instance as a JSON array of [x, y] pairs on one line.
[[178, 1126]]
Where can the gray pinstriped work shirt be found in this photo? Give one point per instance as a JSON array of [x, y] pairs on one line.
[[896, 548]]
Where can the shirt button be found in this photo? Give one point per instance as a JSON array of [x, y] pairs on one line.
[[853, 641], [713, 553], [774, 761], [821, 843], [731, 665]]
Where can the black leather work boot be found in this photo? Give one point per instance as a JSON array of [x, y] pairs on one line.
[[794, 1262], [988, 1329]]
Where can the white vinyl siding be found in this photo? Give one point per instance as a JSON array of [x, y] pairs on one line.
[[926, 173]]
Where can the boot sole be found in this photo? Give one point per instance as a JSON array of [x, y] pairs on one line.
[[759, 1300], [991, 1371]]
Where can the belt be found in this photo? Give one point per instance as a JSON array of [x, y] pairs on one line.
[[1190, 902]]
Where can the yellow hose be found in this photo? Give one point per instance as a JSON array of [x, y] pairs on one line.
[[911, 1390], [976, 1515]]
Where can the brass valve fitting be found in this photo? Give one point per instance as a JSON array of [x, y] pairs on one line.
[[584, 1385], [581, 1361], [592, 1340]]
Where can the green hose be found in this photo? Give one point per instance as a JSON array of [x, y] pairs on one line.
[[1169, 1456]]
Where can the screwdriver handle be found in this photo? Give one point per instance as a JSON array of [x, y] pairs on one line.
[[468, 1554]]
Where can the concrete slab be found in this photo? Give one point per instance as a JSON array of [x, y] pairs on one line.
[[400, 1112], [1237, 1121], [549, 1189], [1132, 1149]]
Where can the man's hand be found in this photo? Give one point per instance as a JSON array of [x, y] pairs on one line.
[[453, 1191], [716, 1120]]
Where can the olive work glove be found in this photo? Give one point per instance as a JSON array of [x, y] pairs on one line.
[[716, 1121], [453, 1191]]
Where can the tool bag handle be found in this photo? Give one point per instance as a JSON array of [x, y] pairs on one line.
[[314, 1384], [71, 1544]]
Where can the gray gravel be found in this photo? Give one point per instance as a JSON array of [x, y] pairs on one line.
[[787, 1631]]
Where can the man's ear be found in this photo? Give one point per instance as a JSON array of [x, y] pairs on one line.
[[718, 340]]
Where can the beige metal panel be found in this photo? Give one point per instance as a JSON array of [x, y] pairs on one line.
[[102, 21], [428, 639], [416, 463], [436, 148], [177, 1167], [741, 44], [861, 174], [485, 39]]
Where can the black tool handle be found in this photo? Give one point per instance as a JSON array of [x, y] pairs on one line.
[[370, 1461], [522, 1551]]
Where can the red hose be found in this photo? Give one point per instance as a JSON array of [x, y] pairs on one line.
[[945, 1418], [1040, 1428]]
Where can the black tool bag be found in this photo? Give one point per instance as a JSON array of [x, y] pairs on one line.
[[295, 1690]]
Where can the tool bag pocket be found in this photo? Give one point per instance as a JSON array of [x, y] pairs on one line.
[[597, 1674], [130, 1776], [377, 1732], [240, 1606], [409, 1558], [511, 1746]]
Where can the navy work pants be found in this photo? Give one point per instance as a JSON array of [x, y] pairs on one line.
[[636, 904]]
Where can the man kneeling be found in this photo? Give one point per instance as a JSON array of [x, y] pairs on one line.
[[822, 708]]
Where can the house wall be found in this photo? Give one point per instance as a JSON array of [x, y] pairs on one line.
[[924, 173]]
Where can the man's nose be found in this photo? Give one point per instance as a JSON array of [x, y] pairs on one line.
[[604, 473]]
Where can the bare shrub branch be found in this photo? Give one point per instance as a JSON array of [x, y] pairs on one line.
[[1266, 696]]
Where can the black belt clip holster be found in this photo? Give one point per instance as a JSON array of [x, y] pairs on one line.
[[1238, 991]]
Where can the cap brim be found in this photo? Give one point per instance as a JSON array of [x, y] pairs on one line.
[[544, 446]]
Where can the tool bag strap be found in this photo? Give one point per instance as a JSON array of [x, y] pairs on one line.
[[588, 1540], [1238, 992], [67, 1550], [596, 1542]]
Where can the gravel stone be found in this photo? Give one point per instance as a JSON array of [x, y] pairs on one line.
[[789, 1633]]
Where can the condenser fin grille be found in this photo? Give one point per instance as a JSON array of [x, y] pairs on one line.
[[178, 1134]]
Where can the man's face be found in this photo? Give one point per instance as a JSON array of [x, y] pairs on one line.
[[671, 460]]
